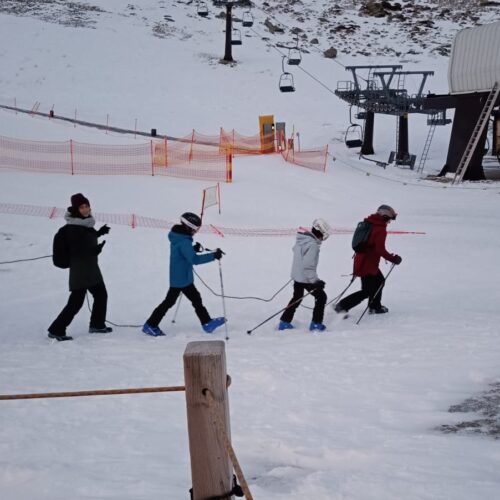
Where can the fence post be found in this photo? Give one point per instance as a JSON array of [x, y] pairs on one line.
[[191, 148], [71, 156], [152, 159], [205, 368], [229, 167]]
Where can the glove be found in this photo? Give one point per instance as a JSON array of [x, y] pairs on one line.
[[397, 260], [218, 254], [198, 247], [103, 230], [320, 285], [99, 247]]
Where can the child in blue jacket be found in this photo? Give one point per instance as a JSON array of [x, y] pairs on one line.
[[182, 258]]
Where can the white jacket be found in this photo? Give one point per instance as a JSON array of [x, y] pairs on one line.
[[305, 258]]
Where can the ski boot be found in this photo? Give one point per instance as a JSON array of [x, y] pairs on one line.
[[320, 327], [59, 338], [284, 325], [104, 329], [154, 331], [213, 324], [378, 310]]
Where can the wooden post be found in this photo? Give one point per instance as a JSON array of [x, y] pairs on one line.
[[205, 368]]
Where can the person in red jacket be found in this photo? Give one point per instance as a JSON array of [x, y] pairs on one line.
[[366, 264]]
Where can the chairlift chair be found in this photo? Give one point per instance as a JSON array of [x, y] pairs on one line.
[[236, 37], [247, 20], [354, 134], [294, 56], [286, 79], [202, 9], [360, 114], [352, 137], [286, 82]]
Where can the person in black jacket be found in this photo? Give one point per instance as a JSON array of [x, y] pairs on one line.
[[84, 273]]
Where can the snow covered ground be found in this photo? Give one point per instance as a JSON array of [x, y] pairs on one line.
[[351, 413]]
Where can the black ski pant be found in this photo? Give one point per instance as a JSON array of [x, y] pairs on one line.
[[192, 295], [298, 292], [369, 286], [75, 303]]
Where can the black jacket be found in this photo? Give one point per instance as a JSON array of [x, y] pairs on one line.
[[84, 270]]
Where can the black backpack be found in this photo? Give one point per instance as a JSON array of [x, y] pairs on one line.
[[60, 249], [361, 236]]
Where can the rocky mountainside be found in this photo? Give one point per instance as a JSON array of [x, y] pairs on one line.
[[355, 27], [366, 27]]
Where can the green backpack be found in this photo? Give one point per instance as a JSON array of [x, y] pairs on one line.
[[361, 236]]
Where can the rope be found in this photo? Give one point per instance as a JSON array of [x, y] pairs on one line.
[[107, 321], [227, 444], [25, 260], [242, 298], [299, 67], [105, 392]]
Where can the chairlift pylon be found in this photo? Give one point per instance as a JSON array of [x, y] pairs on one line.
[[286, 83], [202, 9], [247, 19], [236, 37]]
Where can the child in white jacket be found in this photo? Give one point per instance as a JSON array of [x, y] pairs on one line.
[[305, 277]]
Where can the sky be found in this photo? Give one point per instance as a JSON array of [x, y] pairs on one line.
[[349, 414]]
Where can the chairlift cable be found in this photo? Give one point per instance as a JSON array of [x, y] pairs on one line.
[[299, 67], [310, 46]]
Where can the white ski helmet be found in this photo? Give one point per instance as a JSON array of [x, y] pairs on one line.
[[322, 227], [387, 211]]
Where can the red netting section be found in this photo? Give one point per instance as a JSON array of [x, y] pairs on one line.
[[207, 140], [133, 220], [101, 159], [191, 160], [178, 159], [246, 145], [315, 159], [34, 156]]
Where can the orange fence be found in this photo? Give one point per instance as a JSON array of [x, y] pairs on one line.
[[246, 145], [176, 159], [134, 220], [195, 156], [314, 159]]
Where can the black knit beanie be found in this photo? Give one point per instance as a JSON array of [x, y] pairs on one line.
[[77, 200]]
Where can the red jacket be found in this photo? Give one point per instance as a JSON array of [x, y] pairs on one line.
[[366, 263]]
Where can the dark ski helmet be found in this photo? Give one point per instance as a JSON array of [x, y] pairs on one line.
[[191, 221], [387, 212]]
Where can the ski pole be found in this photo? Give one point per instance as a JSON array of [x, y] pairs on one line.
[[177, 308], [338, 297], [376, 293], [223, 300], [280, 311]]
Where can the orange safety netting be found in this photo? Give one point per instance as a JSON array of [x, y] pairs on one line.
[[133, 220], [176, 159], [246, 145], [314, 159]]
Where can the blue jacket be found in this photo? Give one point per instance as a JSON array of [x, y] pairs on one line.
[[183, 257]]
